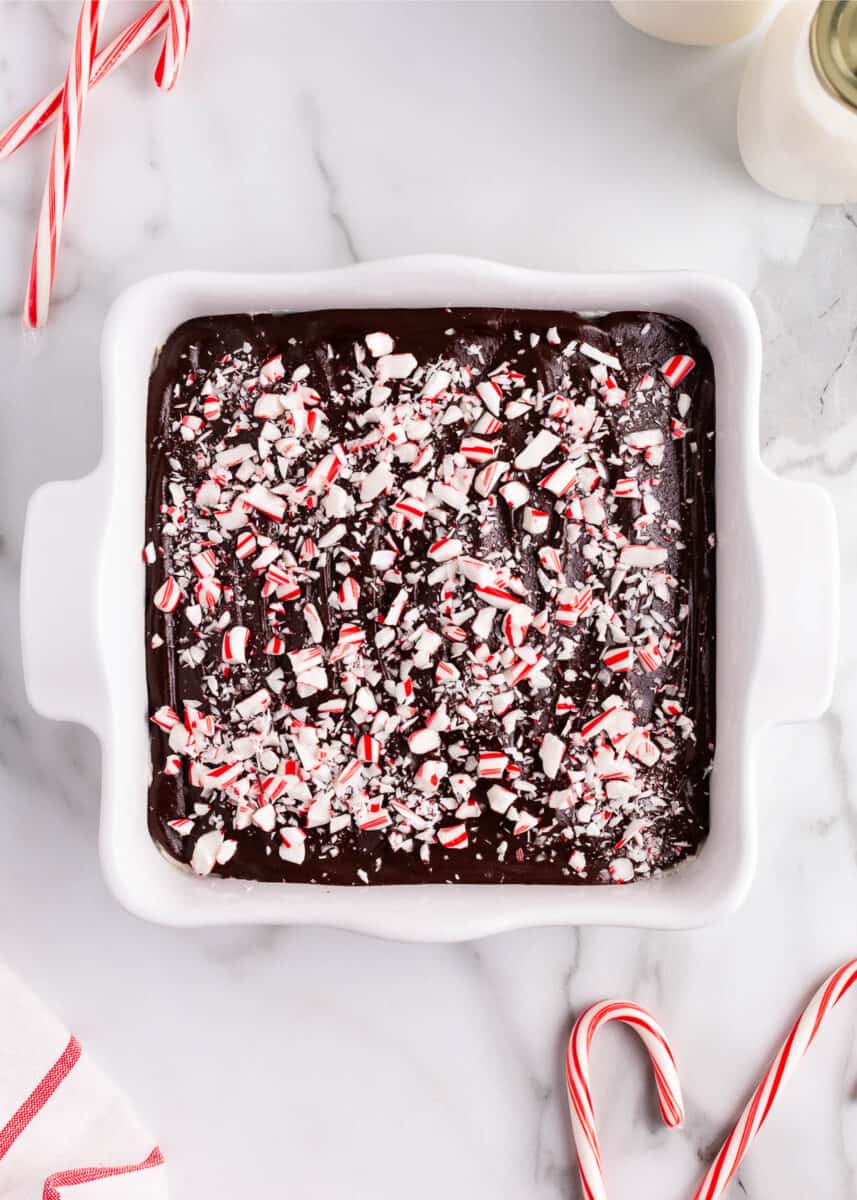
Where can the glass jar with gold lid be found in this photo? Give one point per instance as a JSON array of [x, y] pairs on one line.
[[833, 43]]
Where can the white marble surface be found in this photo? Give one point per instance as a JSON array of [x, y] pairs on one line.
[[315, 1063]]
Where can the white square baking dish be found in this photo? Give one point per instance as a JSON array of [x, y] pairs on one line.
[[777, 619]]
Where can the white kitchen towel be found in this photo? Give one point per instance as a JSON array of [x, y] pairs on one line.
[[66, 1131]]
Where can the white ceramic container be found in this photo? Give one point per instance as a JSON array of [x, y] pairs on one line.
[[694, 22], [796, 138], [84, 659]]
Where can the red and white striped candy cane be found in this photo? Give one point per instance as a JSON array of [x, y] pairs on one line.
[[175, 46], [67, 135], [791, 1052], [66, 138], [113, 55], [580, 1093]]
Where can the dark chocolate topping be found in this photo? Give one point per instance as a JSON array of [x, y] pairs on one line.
[[589, 694]]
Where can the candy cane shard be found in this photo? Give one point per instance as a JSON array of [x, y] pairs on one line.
[[753, 1117], [66, 138], [113, 55], [580, 1093]]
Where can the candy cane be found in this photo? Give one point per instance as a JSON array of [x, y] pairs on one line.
[[580, 1094], [66, 138], [175, 47], [112, 56], [67, 135], [791, 1052]]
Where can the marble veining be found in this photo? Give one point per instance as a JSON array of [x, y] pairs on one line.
[[300, 1062]]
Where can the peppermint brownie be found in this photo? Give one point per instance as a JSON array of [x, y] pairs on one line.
[[430, 596]]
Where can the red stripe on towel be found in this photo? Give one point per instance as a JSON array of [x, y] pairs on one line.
[[39, 1096], [90, 1174]]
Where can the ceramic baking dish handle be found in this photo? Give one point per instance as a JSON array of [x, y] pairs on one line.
[[62, 670], [801, 584]]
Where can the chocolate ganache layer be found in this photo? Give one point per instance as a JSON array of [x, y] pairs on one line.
[[430, 596]]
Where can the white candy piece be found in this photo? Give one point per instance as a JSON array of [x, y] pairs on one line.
[[515, 493], [208, 494], [423, 741], [621, 870], [265, 818], [583, 418], [462, 784], [226, 851], [232, 456], [593, 510], [501, 702], [292, 844], [436, 384], [395, 366], [235, 642], [561, 479], [312, 681], [337, 502], [427, 646], [266, 502], [205, 852], [642, 748], [600, 356], [536, 520], [430, 773], [453, 836], [483, 623], [334, 535], [379, 479], [450, 495], [496, 596], [478, 572], [490, 395], [255, 704], [267, 406], [319, 813], [445, 549], [489, 477], [551, 752], [272, 371], [378, 344], [643, 556], [644, 438], [314, 622], [500, 798], [537, 450]]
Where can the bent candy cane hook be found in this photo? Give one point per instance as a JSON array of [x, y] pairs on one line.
[[175, 14], [113, 55], [580, 1093], [82, 74], [175, 45]]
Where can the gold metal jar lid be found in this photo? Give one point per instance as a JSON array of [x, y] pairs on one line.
[[833, 44]]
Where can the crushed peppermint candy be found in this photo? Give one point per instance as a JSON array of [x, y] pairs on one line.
[[430, 596]]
